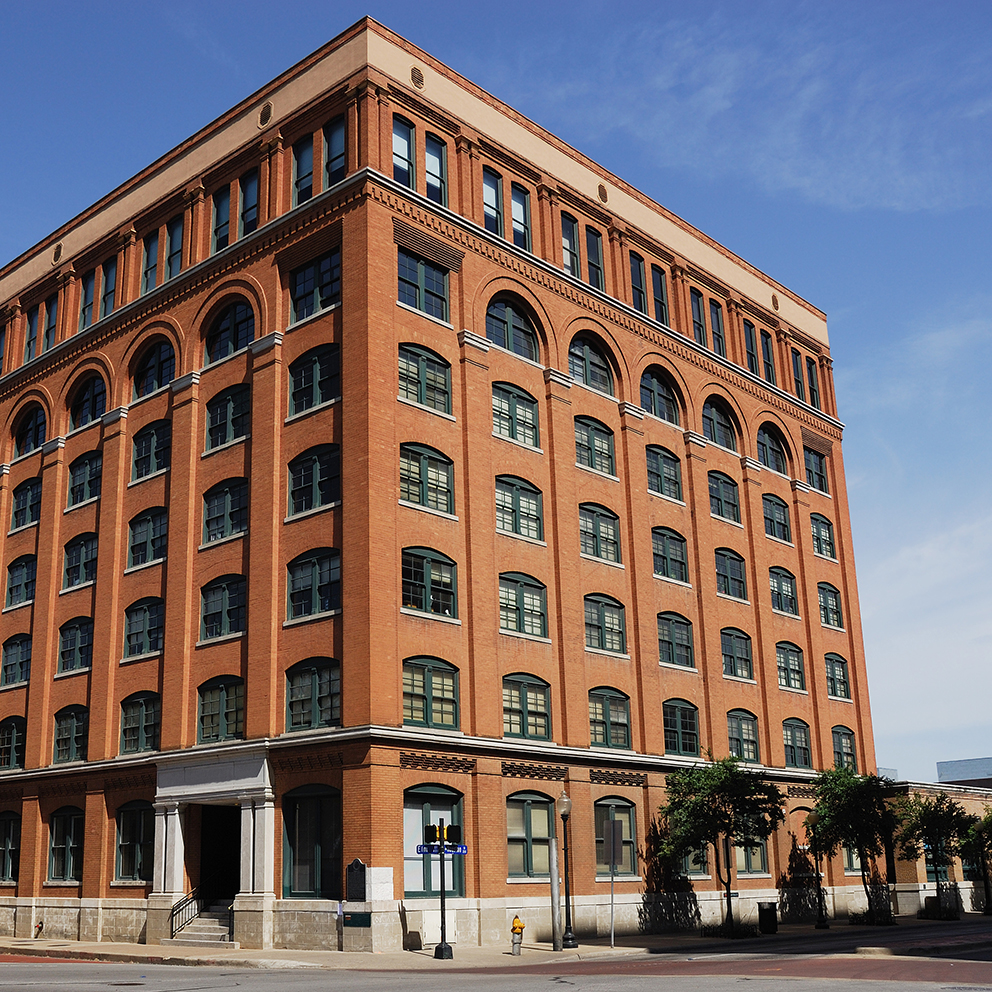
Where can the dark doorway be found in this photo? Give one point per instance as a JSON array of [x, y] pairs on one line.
[[220, 850]]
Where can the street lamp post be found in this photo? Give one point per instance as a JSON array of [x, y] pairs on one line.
[[564, 807], [812, 819]]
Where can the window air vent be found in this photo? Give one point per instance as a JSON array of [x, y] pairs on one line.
[[57, 254], [774, 301], [417, 76], [265, 115], [603, 195]]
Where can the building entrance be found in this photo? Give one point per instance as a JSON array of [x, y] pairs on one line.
[[220, 850]]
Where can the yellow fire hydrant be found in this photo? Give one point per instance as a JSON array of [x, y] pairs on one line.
[[516, 936]]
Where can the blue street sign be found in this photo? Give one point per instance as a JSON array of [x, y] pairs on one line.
[[436, 849]]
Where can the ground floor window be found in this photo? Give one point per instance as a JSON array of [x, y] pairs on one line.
[[529, 827], [136, 842], [65, 862], [312, 843], [608, 812], [423, 805], [10, 846]]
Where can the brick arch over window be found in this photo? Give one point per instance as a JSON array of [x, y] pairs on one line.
[[153, 367], [502, 287], [30, 429], [243, 287], [511, 324], [662, 395], [773, 449]]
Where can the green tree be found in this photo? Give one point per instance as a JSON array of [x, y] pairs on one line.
[[720, 802], [976, 848], [853, 813], [933, 826]]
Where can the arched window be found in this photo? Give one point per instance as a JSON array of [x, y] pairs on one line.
[[85, 475], [27, 504], [223, 606], [71, 733], [152, 449], [823, 536], [609, 717], [594, 445], [771, 449], [664, 472], [144, 624], [225, 510], [312, 843], [315, 379], [314, 479], [518, 507], [156, 369], [844, 753], [526, 707], [529, 827], [587, 364], [730, 580], [148, 536], [141, 719], [523, 604], [430, 693], [429, 582], [233, 329], [425, 378], [718, 426], [426, 477], [776, 514], [797, 751], [838, 680], [425, 805], [508, 326], [606, 812], [29, 434], [791, 672], [599, 532], [10, 841], [136, 841], [724, 498], [16, 660], [65, 861], [736, 648], [80, 560], [657, 396], [229, 416], [222, 709], [830, 611], [742, 733], [21, 574], [515, 414], [675, 640], [76, 645], [12, 731], [783, 587], [681, 727], [605, 629], [90, 402], [313, 694], [313, 583]]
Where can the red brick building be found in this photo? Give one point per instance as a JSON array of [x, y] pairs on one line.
[[374, 457]]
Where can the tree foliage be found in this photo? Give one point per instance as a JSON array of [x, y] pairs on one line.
[[976, 848]]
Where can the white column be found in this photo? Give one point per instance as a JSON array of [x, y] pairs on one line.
[[265, 846], [247, 846], [170, 849]]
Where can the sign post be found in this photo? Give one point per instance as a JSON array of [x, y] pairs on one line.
[[613, 842], [441, 840]]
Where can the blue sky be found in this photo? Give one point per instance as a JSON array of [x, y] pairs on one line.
[[845, 148]]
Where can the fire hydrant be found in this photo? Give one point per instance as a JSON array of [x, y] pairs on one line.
[[516, 936], [38, 927]]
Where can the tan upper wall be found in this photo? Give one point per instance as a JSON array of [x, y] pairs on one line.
[[368, 43]]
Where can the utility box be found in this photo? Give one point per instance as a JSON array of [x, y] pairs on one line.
[[768, 917]]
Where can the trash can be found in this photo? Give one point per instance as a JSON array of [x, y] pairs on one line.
[[768, 917]]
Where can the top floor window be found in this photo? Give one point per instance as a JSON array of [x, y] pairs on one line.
[[508, 326], [587, 364], [86, 286], [31, 335], [797, 374], [335, 162], [814, 387], [698, 317], [570, 244], [90, 402], [248, 184], [403, 152], [750, 347], [149, 275], [436, 169], [302, 170], [492, 201], [232, 330], [174, 247], [638, 290], [767, 358], [660, 294], [109, 291], [520, 215], [316, 285], [594, 258], [222, 218], [716, 326], [717, 425]]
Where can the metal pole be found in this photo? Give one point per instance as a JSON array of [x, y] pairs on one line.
[[821, 912], [568, 938], [555, 898], [443, 950]]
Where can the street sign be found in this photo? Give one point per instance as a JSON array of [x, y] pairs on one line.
[[436, 849]]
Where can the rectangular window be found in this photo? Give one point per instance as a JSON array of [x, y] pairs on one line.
[[31, 337], [660, 295], [222, 218], [797, 374], [638, 291], [752, 860], [767, 358], [335, 163], [716, 326], [109, 292], [403, 152], [436, 169], [814, 387], [249, 202], [51, 316], [816, 469], [570, 244], [594, 258], [86, 299], [303, 170], [422, 285], [750, 347], [520, 214], [316, 286], [698, 318], [149, 274], [174, 257], [492, 201]]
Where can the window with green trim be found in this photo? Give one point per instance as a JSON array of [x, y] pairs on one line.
[[823, 536], [830, 611], [518, 507], [730, 578], [594, 257], [71, 733], [31, 335], [752, 860], [229, 416], [156, 369], [221, 201], [797, 375], [814, 387], [609, 718], [89, 403], [66, 831], [232, 330], [27, 504], [791, 671], [21, 577], [86, 287], [315, 286], [795, 734], [526, 707], [429, 582], [108, 286], [85, 475], [314, 379], [10, 843], [136, 842], [681, 727], [430, 693], [529, 828], [223, 609], [724, 498], [425, 378], [604, 618], [767, 357], [844, 753], [149, 270], [141, 721], [152, 449], [694, 863], [606, 812], [750, 347], [222, 709], [716, 325], [225, 510], [776, 514], [570, 244], [588, 364], [599, 532], [520, 216], [313, 583], [76, 645], [742, 732], [148, 537], [174, 247], [675, 640], [783, 588], [660, 294], [771, 449], [515, 414], [12, 736], [403, 152], [638, 289], [314, 479], [838, 680], [144, 627], [664, 472], [335, 161], [313, 694], [422, 285], [426, 478], [29, 435], [436, 169], [303, 170], [80, 561], [312, 835], [523, 604], [594, 445], [492, 201], [816, 469], [248, 194], [425, 805], [698, 317], [718, 426], [735, 646]]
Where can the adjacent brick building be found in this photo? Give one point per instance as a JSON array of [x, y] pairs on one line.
[[374, 457]]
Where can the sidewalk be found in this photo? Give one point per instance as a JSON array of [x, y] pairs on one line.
[[921, 938]]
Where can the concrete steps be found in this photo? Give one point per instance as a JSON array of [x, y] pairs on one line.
[[209, 929]]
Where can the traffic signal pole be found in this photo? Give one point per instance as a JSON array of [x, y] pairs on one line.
[[443, 950]]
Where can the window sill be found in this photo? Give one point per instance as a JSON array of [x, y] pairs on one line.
[[608, 654], [425, 315], [783, 613], [226, 358], [145, 478], [596, 471], [310, 513], [591, 389], [311, 618], [720, 447], [779, 540], [425, 408], [72, 671], [734, 599], [522, 537], [143, 565], [626, 877], [739, 678], [668, 499], [52, 884], [678, 668], [223, 638], [427, 509], [322, 312], [819, 492], [17, 606], [426, 615], [535, 880], [223, 540], [138, 400], [140, 657], [13, 685], [674, 582], [841, 699], [81, 504], [519, 444], [224, 446], [816, 554], [303, 414], [727, 520], [752, 874], [519, 358], [830, 626], [661, 420], [601, 561], [120, 883], [78, 585], [17, 530], [798, 692], [524, 636], [27, 454]]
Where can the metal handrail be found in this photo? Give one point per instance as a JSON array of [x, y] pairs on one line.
[[192, 904]]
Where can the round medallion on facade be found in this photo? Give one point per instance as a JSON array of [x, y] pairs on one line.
[[265, 114], [774, 301], [57, 254], [603, 194], [417, 77]]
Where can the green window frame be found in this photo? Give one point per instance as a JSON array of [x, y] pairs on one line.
[[681, 720], [13, 733], [492, 201], [638, 288], [429, 582], [823, 536], [588, 364], [229, 417], [223, 607], [771, 450], [425, 378], [144, 627], [248, 194], [221, 201], [85, 476], [718, 426], [312, 838], [141, 722], [724, 497], [791, 670], [698, 317], [313, 694], [750, 347], [526, 707], [71, 734], [657, 396], [752, 860], [232, 330], [695, 863], [10, 843], [845, 755], [156, 369], [76, 645], [108, 291], [430, 693], [225, 510], [742, 734], [520, 216], [783, 588], [66, 833], [27, 504], [795, 736], [86, 287], [303, 170], [315, 379], [174, 247], [570, 245], [675, 641], [814, 387], [519, 508], [605, 626], [313, 583], [335, 149], [30, 432], [594, 258], [221, 711], [509, 326], [716, 326], [523, 605], [423, 286], [664, 472], [149, 270], [21, 578], [609, 811], [436, 169], [776, 515], [316, 286], [660, 287], [80, 561], [16, 660], [152, 449], [31, 335], [599, 532], [609, 718], [51, 321], [797, 375], [767, 357], [404, 152], [425, 805], [831, 614], [838, 677], [148, 537], [594, 446], [529, 829], [735, 646], [135, 842], [314, 479], [730, 578], [427, 478], [515, 415]]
